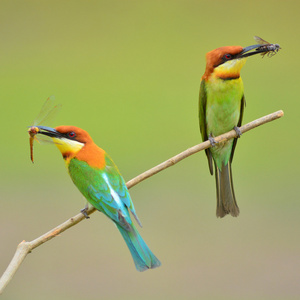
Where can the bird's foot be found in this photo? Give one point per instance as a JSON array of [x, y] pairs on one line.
[[212, 141], [84, 212], [238, 131]]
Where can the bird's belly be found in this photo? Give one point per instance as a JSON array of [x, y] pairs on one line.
[[223, 110], [222, 114]]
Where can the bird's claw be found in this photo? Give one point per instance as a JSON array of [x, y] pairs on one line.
[[212, 141], [238, 131], [84, 212]]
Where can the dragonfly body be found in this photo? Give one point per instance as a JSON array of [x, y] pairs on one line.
[[46, 114], [268, 49]]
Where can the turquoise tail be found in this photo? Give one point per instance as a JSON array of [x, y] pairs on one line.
[[143, 258]]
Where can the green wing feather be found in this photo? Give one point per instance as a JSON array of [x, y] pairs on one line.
[[239, 124], [104, 189], [118, 184], [202, 122]]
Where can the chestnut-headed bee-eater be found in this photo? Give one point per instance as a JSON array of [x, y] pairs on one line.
[[99, 180], [221, 107]]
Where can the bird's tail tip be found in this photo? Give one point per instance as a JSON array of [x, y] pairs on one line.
[[226, 202], [234, 211], [141, 267], [142, 256]]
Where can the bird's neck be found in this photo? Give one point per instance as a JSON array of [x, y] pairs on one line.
[[68, 148], [220, 88], [227, 71], [93, 155]]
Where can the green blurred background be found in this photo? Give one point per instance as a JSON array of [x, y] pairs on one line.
[[129, 72]]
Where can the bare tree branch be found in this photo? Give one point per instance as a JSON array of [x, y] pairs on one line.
[[26, 247]]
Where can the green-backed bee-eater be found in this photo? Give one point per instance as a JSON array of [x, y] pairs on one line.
[[221, 107], [99, 180]]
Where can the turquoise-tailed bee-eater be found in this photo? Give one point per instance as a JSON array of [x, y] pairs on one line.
[[99, 180], [221, 107]]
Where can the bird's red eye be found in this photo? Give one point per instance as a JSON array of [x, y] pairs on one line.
[[227, 56], [72, 134]]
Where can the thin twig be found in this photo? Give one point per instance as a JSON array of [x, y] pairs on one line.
[[221, 138], [26, 247]]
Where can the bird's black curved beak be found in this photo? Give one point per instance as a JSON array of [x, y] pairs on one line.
[[48, 131]]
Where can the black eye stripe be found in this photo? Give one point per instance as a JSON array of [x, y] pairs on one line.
[[226, 57]]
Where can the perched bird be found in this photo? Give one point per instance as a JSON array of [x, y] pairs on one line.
[[221, 107], [99, 180]]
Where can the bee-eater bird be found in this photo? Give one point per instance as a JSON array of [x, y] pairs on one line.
[[221, 107], [99, 180]]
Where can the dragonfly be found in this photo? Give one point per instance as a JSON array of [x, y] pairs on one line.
[[272, 48], [46, 114]]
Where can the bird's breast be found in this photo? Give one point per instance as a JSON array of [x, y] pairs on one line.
[[223, 105], [93, 155]]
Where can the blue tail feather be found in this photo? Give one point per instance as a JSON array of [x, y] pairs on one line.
[[143, 258]]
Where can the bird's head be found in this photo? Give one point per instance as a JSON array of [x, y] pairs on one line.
[[227, 62], [68, 139]]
